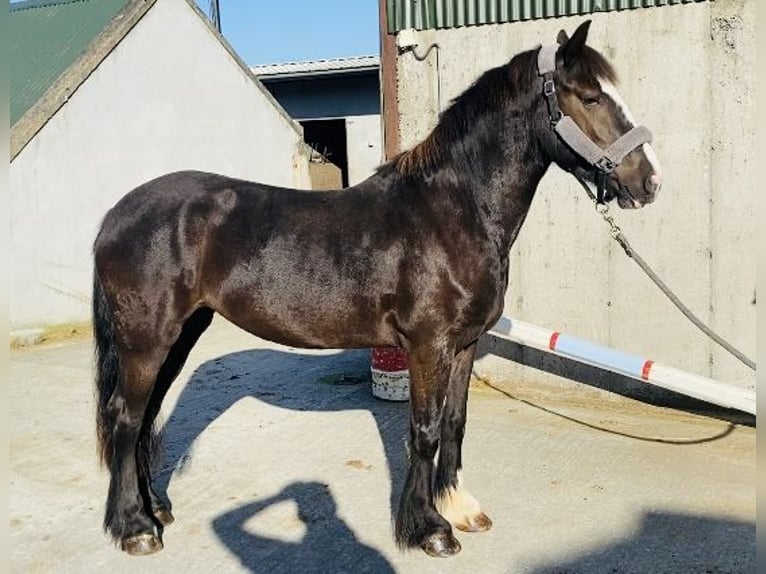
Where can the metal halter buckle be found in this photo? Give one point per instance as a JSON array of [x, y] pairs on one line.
[[549, 88], [605, 165]]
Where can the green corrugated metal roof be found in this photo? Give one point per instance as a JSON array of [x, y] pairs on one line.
[[46, 38], [425, 14]]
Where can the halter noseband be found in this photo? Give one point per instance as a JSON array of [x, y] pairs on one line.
[[604, 161]]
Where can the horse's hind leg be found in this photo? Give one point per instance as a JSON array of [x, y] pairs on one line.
[[192, 329], [418, 523], [453, 501], [127, 519]]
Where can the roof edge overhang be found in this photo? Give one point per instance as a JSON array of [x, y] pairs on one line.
[[318, 74], [62, 89], [59, 92]]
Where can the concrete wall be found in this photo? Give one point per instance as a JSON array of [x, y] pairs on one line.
[[363, 146], [686, 72], [169, 97]]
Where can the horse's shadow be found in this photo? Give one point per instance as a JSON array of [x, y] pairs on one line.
[[292, 381]]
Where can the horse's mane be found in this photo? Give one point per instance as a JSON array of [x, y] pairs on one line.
[[486, 95]]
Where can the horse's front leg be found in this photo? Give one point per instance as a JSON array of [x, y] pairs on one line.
[[453, 501], [418, 522]]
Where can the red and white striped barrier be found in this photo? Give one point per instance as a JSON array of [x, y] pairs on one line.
[[689, 384], [390, 376]]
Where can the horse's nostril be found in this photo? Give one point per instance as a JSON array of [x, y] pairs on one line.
[[653, 183]]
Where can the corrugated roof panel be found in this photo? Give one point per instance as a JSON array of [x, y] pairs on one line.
[[329, 65], [427, 14], [46, 37]]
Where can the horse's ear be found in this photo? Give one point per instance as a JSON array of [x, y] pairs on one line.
[[562, 38], [572, 47]]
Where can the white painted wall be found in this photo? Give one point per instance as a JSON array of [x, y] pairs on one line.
[[363, 144], [686, 72], [169, 97]]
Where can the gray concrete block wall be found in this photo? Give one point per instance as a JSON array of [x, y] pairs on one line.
[[733, 184], [685, 72]]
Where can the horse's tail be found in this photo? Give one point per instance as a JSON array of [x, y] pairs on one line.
[[107, 369]]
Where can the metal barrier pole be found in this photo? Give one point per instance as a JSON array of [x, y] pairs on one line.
[[689, 384]]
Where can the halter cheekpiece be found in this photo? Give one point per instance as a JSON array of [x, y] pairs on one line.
[[604, 161]]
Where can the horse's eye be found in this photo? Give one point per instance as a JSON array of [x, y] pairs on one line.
[[591, 100]]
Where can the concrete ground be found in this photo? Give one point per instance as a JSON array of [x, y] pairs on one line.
[[274, 464]]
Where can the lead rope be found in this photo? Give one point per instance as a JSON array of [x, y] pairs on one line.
[[619, 237]]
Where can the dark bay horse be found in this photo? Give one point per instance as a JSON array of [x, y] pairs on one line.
[[415, 256]]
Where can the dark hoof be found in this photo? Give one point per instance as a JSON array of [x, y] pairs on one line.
[[163, 516], [478, 523], [441, 544], [141, 544]]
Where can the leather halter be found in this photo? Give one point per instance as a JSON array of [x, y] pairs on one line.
[[604, 161]]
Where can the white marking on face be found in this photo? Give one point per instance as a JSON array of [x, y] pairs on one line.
[[611, 90]]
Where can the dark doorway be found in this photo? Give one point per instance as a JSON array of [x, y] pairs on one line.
[[328, 137]]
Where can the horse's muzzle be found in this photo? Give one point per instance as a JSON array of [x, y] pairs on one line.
[[637, 195], [652, 184]]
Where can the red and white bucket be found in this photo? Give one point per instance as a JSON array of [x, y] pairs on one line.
[[390, 374]]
